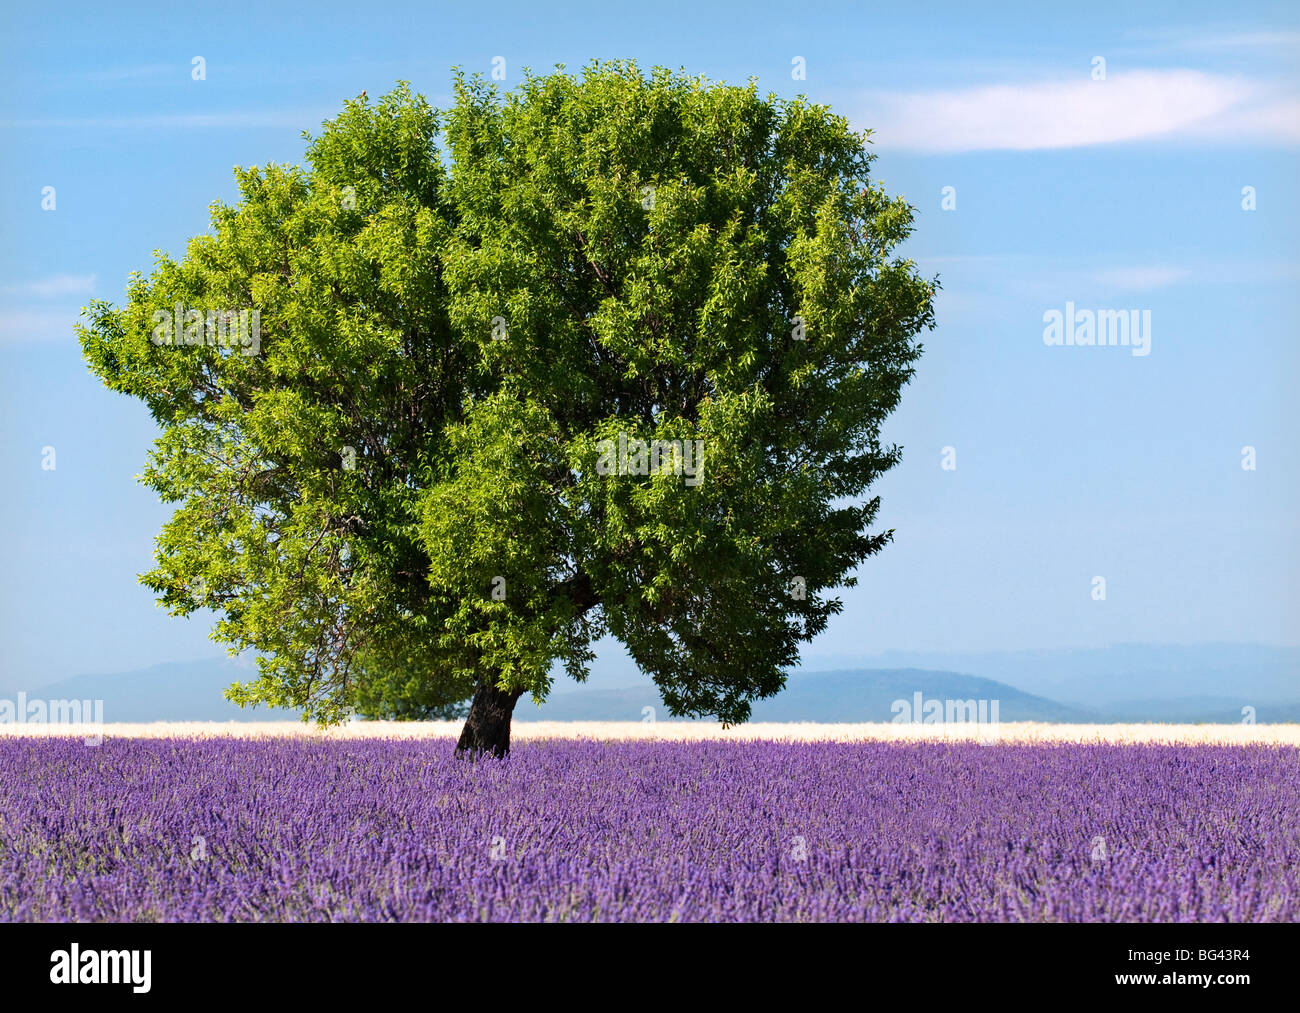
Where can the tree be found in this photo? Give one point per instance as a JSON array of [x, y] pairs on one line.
[[602, 355]]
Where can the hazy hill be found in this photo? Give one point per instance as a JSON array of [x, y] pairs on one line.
[[177, 691], [861, 695], [1210, 683], [1118, 678]]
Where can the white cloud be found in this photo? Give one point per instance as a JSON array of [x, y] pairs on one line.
[[1245, 39], [1184, 39], [1140, 278], [47, 288], [1126, 106], [297, 119], [138, 72], [37, 325], [1274, 118], [1041, 276]]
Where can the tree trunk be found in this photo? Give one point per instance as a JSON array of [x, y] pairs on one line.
[[487, 727]]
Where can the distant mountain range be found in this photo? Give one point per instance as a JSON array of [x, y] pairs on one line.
[[177, 691], [847, 696], [881, 694], [1129, 678], [1127, 683]]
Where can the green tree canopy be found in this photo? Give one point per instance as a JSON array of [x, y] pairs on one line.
[[601, 355]]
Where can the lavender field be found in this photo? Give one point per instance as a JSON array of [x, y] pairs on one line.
[[372, 829]]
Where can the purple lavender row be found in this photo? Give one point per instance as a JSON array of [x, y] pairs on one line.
[[290, 829]]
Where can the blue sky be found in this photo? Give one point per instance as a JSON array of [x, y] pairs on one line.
[[1071, 462]]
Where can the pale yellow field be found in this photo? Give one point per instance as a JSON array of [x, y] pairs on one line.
[[1287, 734]]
